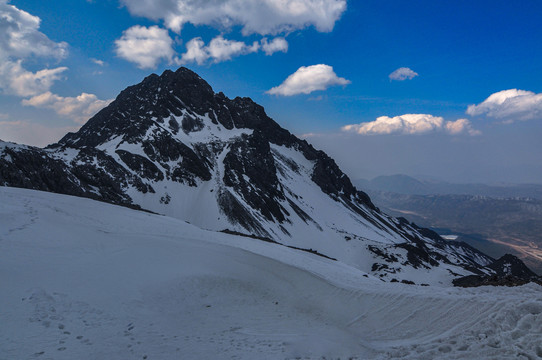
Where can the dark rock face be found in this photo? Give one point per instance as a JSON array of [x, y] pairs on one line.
[[141, 165], [33, 168], [190, 124], [162, 149], [37, 169], [493, 280], [508, 271], [249, 169], [511, 265]]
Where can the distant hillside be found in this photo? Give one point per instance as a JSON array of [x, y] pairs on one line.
[[404, 184], [494, 225]]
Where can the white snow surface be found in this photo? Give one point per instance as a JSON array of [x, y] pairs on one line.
[[81, 279]]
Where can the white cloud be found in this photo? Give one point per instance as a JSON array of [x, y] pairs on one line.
[[255, 16], [410, 124], [145, 46], [98, 62], [20, 36], [308, 79], [20, 39], [220, 49], [15, 80], [402, 74], [23, 132], [461, 126], [195, 52], [510, 105], [276, 45], [79, 108]]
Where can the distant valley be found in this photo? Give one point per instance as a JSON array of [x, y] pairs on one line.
[[496, 219]]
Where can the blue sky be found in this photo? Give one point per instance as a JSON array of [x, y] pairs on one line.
[[448, 89]]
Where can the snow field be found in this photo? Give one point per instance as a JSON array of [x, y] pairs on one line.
[[82, 279]]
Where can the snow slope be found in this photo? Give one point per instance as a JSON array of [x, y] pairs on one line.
[[82, 279]]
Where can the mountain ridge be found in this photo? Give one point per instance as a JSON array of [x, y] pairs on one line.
[[172, 146]]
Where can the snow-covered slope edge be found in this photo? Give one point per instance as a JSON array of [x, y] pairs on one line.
[[87, 280]]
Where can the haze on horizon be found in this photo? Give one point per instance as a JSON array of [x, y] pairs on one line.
[[447, 90]]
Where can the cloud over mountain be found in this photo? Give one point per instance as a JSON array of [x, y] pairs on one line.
[[220, 49], [145, 46], [308, 79], [254, 16]]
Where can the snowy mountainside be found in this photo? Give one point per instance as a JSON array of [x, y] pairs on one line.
[[82, 279], [172, 146]]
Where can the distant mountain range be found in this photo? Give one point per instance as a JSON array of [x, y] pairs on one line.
[[403, 184], [494, 219], [173, 146]]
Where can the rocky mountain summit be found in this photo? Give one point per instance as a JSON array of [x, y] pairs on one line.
[[173, 146]]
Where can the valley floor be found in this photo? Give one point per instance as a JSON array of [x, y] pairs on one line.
[[82, 279]]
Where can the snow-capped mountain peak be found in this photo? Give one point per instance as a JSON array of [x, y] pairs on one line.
[[172, 146]]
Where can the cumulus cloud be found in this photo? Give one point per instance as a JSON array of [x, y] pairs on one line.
[[15, 80], [145, 46], [510, 105], [461, 126], [276, 45], [254, 16], [221, 49], [402, 74], [308, 79], [20, 36], [410, 124], [20, 39], [79, 108], [195, 52]]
